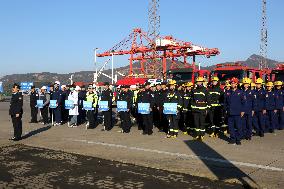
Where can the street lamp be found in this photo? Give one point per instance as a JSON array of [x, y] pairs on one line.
[[96, 68]]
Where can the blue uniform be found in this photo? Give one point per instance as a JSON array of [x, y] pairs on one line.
[[57, 111], [247, 118], [270, 106], [279, 107], [234, 105], [259, 117]]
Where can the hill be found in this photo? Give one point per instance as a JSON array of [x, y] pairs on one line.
[[87, 76]]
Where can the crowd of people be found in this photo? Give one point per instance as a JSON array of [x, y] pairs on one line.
[[241, 109]]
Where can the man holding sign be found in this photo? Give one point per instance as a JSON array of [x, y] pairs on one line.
[[45, 97], [91, 98], [106, 97], [145, 107], [125, 99], [174, 98]]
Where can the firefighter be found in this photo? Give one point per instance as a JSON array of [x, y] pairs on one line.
[[147, 97], [279, 104], [270, 107], [247, 118], [224, 126], [259, 108], [199, 103], [215, 95], [33, 99], [125, 95], [186, 108], [16, 112], [107, 95], [234, 106], [158, 106], [138, 100], [91, 96], [173, 97], [164, 122]]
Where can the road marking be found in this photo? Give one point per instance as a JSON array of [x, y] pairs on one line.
[[224, 161]]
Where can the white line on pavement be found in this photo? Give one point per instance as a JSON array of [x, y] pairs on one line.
[[224, 161]]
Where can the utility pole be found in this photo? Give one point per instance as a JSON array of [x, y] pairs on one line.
[[263, 43]]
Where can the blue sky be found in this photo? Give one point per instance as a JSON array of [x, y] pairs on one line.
[[60, 35]]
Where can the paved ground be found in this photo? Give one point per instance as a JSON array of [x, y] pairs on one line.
[[30, 167], [258, 163]]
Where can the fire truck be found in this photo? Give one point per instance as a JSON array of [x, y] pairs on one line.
[[277, 74], [227, 71], [183, 75]]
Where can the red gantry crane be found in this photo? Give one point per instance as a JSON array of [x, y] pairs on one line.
[[146, 52]]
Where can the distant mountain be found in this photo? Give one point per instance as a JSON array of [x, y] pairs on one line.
[[45, 78]]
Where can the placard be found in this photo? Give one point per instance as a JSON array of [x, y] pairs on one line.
[[25, 86], [1, 87], [87, 105], [170, 108], [69, 104], [103, 106], [121, 106], [144, 108], [39, 103], [53, 104]]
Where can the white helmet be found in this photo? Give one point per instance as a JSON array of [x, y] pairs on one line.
[[44, 88]]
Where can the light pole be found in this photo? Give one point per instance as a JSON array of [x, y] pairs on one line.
[[112, 68], [96, 68]]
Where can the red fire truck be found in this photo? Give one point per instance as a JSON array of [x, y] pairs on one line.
[[183, 75], [277, 74], [228, 71]]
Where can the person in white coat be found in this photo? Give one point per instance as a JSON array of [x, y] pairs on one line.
[[73, 113]]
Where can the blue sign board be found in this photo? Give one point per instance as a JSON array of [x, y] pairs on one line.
[[144, 108], [53, 103], [87, 105], [69, 104], [25, 86], [1, 87], [39, 103], [170, 108], [103, 106], [121, 106]]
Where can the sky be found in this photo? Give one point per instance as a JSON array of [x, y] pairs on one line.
[[60, 35]]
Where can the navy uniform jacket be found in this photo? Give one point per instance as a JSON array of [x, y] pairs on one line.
[[158, 98], [107, 95], [279, 99], [174, 97], [125, 96], [259, 100], [33, 98], [16, 104], [56, 95], [270, 100], [235, 102], [250, 101], [147, 97], [200, 100], [186, 101]]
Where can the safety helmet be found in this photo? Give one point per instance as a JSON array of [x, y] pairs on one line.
[[259, 81], [252, 84], [199, 79], [188, 84], [172, 82], [278, 83], [43, 88], [215, 78], [234, 80], [269, 84], [228, 84], [246, 80]]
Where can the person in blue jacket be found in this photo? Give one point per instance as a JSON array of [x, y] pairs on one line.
[[248, 109], [234, 105], [279, 104], [270, 107], [259, 108]]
